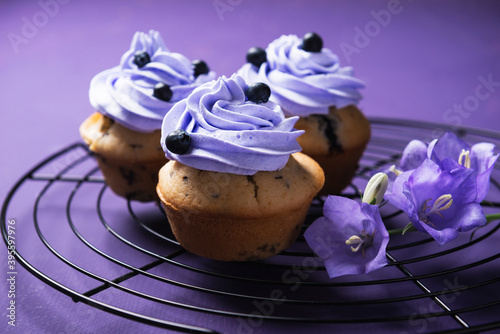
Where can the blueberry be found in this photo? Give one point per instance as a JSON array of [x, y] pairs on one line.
[[199, 67], [312, 42], [256, 56], [178, 141], [162, 92], [258, 92], [141, 58]]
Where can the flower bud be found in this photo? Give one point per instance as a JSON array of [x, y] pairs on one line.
[[375, 189]]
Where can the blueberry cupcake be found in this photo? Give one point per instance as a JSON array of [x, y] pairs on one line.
[[130, 102], [307, 80], [236, 187]]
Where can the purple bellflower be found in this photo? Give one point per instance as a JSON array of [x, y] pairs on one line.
[[478, 157], [351, 237], [440, 199]]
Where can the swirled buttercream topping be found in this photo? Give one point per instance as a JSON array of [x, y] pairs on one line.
[[229, 133], [302, 82], [125, 93]]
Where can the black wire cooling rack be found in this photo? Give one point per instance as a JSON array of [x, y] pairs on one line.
[[120, 257]]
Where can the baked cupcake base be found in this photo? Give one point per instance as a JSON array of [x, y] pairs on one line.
[[337, 142], [136, 181], [233, 217], [339, 170], [128, 160]]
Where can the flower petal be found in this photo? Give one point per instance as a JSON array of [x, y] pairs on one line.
[[380, 239], [469, 216], [423, 180], [344, 211], [483, 161], [481, 156], [441, 236], [412, 209], [395, 193], [431, 148], [413, 155], [458, 181], [323, 238], [449, 145]]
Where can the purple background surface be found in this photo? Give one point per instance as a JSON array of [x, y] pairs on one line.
[[420, 60]]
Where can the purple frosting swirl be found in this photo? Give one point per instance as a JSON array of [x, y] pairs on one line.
[[304, 83], [230, 134], [125, 92]]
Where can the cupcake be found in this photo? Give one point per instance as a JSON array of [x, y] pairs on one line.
[[307, 80], [130, 102], [236, 187]]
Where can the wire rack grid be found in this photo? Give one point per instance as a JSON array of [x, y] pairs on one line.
[[121, 257]]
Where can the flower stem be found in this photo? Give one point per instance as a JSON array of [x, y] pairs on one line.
[[396, 231], [492, 217], [401, 230]]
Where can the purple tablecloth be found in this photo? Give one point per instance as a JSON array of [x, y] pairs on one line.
[[420, 60]]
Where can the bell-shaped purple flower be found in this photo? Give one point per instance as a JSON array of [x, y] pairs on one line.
[[479, 157], [440, 199], [351, 237]]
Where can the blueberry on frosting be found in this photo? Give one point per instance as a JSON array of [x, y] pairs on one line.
[[162, 92], [229, 133], [141, 58], [312, 42], [303, 82], [258, 92], [199, 67], [256, 56], [178, 141]]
